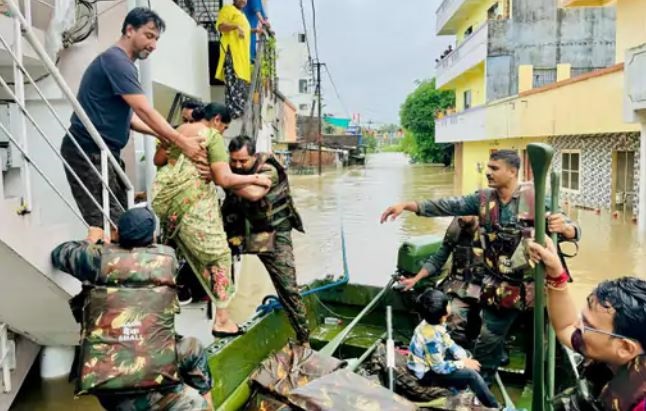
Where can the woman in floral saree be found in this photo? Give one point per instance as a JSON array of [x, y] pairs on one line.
[[189, 211]]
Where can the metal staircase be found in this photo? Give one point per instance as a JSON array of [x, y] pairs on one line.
[[37, 211]]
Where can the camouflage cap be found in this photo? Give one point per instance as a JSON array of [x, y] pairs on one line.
[[136, 227]]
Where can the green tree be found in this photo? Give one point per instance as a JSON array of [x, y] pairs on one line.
[[371, 143], [417, 116]]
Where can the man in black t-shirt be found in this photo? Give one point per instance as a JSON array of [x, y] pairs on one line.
[[112, 96]]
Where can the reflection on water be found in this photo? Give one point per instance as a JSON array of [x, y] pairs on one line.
[[354, 199]]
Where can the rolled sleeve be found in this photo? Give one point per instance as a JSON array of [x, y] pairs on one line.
[[78, 258], [449, 206]]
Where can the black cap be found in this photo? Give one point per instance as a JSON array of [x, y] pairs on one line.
[[136, 227]]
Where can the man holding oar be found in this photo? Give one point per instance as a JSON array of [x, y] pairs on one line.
[[505, 212], [610, 329]]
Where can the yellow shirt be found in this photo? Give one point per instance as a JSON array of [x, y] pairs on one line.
[[240, 47]]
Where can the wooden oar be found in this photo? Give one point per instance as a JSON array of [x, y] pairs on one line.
[[540, 158]]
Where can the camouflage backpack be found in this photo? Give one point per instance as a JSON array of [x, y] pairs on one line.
[[128, 326]]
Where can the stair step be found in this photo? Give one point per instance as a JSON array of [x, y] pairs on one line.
[[26, 354]]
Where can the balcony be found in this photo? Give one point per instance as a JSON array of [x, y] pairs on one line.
[[451, 13], [468, 54], [635, 82], [468, 125]]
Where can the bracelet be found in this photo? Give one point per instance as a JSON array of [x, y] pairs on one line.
[[557, 281]]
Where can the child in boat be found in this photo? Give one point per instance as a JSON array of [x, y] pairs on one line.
[[435, 359]]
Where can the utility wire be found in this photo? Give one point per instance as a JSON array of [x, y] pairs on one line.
[[307, 37], [316, 40], [336, 91]]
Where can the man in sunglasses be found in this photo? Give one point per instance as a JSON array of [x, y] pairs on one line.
[[610, 329]]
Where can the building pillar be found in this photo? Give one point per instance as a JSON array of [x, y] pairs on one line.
[[642, 178], [563, 72], [525, 77]]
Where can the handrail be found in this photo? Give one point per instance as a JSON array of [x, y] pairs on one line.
[[41, 173], [106, 154], [23, 108]]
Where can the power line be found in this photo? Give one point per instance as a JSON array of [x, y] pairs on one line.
[[307, 39], [336, 91], [316, 40]]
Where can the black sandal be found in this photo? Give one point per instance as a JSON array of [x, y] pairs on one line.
[[227, 334]]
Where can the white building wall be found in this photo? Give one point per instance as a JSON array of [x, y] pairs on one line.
[[292, 66]]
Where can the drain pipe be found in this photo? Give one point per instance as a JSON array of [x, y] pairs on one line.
[[146, 79]]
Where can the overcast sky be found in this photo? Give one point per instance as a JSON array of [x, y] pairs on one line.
[[375, 50]]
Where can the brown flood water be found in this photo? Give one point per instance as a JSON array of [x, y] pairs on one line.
[[355, 198]]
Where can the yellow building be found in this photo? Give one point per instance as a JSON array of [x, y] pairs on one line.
[[596, 119], [505, 49]]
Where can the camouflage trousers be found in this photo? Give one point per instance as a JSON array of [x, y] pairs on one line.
[[195, 373], [464, 322], [282, 271], [489, 346]]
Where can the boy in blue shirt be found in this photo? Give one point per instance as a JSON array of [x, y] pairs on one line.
[[435, 359]]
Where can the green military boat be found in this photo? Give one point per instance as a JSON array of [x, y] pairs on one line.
[[349, 322]]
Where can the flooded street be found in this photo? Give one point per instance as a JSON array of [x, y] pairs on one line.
[[354, 199]]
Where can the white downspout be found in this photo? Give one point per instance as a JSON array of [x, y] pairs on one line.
[[145, 77], [642, 178]]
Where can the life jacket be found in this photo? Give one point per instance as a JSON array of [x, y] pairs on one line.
[[467, 265], [508, 283], [249, 224], [128, 323]]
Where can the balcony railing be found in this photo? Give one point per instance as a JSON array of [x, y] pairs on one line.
[[467, 125], [469, 53], [543, 77]]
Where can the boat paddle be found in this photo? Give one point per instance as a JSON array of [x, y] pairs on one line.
[[551, 336], [540, 158]]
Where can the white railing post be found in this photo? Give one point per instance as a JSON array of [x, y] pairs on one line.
[[4, 359], [67, 92], [104, 194], [21, 125]]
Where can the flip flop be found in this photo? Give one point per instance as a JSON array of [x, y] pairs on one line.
[[227, 334]]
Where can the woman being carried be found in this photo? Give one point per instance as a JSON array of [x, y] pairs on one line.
[[189, 211]]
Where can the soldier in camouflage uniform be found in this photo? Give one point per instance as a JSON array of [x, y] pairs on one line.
[[464, 281], [611, 329], [504, 219], [260, 220], [157, 369]]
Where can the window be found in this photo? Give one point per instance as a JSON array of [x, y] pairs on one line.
[[301, 37], [570, 169], [494, 11], [302, 86], [467, 99], [303, 107]]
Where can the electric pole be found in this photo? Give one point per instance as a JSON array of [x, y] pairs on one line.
[[318, 65]]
